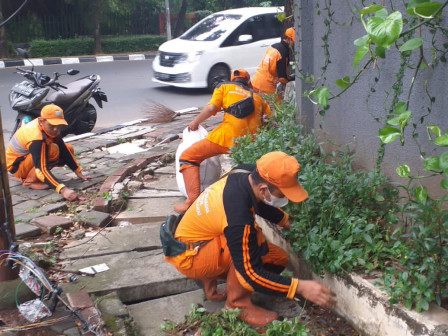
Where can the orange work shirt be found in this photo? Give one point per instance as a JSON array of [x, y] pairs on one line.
[[233, 127]]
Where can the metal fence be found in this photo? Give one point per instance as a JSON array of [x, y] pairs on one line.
[[67, 25]]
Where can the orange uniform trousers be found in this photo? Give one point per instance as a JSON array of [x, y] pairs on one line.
[[27, 164], [212, 259], [200, 151]]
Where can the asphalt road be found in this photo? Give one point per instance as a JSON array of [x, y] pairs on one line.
[[128, 87]]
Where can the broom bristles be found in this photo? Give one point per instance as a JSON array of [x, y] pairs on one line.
[[158, 113]]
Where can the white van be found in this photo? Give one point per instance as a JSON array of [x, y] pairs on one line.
[[206, 53]]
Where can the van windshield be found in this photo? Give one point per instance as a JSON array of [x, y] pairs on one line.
[[212, 28]]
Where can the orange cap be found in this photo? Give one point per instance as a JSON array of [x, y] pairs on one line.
[[291, 33], [280, 170], [53, 114], [240, 73]]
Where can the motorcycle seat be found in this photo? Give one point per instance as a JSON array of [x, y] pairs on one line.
[[65, 97]]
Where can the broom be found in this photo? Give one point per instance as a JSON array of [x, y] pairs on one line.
[[158, 113]]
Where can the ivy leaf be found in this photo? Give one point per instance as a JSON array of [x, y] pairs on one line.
[[411, 44], [441, 141], [322, 95], [414, 3], [401, 120], [435, 129], [281, 16], [380, 52], [344, 82], [427, 9], [431, 163], [371, 9], [421, 194], [401, 107], [444, 184], [404, 170], [362, 40], [385, 32], [389, 134], [359, 55], [443, 161]]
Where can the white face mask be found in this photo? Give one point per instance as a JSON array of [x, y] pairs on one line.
[[275, 201]]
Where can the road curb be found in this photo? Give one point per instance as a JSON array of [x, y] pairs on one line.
[[75, 60]]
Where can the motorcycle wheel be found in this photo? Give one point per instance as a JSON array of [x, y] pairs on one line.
[[87, 121]]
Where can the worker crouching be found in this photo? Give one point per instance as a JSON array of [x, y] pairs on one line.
[[218, 237]]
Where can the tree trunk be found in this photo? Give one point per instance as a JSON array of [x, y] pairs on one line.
[[289, 14], [4, 52], [96, 23], [180, 19]]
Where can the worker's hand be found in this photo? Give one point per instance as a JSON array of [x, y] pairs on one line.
[[317, 293], [69, 194], [287, 225], [83, 177], [193, 126]]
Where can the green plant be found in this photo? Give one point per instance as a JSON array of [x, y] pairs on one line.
[[107, 196], [226, 323], [345, 222]]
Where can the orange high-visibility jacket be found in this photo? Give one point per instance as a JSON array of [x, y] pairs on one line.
[[273, 66], [232, 127], [228, 207], [30, 139]]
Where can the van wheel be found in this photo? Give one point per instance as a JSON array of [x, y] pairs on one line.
[[219, 73]]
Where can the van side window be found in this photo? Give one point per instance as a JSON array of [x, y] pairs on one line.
[[261, 27]]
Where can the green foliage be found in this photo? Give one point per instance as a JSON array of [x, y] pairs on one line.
[[227, 323], [85, 46], [131, 44], [345, 222]]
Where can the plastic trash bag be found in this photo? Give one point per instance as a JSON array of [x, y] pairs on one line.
[[34, 310], [210, 169]]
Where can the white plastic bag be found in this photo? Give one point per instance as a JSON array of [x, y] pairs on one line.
[[210, 169]]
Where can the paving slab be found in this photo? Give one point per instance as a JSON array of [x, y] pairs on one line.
[[141, 237], [171, 169], [154, 193], [149, 315], [148, 210], [49, 224], [135, 276], [26, 207], [94, 218], [24, 230], [162, 182]]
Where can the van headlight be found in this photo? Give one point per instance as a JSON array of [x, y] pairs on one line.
[[194, 56]]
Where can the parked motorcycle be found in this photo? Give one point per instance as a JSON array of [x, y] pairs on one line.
[[28, 97]]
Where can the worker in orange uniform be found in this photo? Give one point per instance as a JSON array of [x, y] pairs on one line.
[[273, 68], [233, 97], [222, 239], [36, 148]]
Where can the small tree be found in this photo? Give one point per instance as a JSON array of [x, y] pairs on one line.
[[4, 52]]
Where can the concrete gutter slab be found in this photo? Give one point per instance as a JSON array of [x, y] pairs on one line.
[[162, 182], [142, 237], [149, 315], [149, 210], [152, 193], [135, 276]]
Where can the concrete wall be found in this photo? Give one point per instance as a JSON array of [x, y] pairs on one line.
[[352, 117]]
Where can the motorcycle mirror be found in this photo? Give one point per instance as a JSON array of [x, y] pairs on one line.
[[22, 52], [72, 72]]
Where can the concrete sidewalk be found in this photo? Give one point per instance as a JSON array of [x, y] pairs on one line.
[[126, 159]]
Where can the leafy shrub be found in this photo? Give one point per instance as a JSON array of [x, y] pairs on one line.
[[85, 46], [345, 222]]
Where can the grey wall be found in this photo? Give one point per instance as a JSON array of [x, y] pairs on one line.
[[351, 117]]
